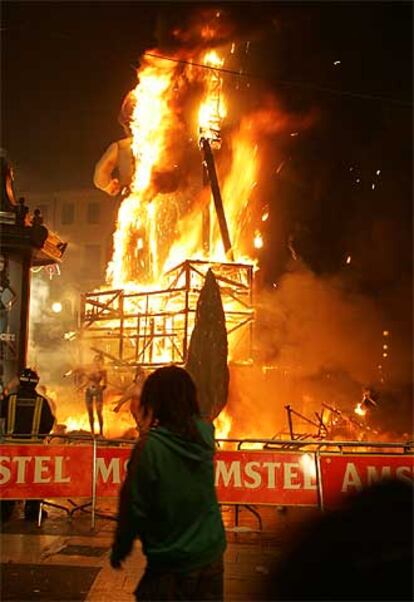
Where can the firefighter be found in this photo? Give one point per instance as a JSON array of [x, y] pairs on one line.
[[28, 418]]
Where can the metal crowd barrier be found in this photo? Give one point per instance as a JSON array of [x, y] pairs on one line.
[[282, 445]]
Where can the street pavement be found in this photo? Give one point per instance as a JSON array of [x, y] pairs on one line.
[[64, 559]]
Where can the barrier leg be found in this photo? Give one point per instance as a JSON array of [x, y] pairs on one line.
[[319, 480], [77, 507], [58, 506], [93, 486], [249, 508], [40, 514], [256, 514]]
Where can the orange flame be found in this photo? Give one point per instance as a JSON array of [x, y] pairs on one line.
[[212, 110], [258, 240], [360, 410], [135, 240], [149, 240], [139, 241], [223, 424]]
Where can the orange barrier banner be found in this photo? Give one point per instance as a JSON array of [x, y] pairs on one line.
[[242, 477], [346, 475], [111, 466], [33, 471], [258, 477], [39, 471]]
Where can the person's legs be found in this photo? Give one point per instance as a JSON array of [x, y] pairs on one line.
[[89, 407], [135, 411], [31, 509], [156, 586], [205, 583], [99, 411], [6, 510]]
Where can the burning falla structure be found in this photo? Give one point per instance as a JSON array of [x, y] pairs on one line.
[[176, 222], [192, 205]]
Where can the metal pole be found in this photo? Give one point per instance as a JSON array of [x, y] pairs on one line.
[[319, 480], [40, 515], [121, 325], [218, 202], [24, 312], [187, 288], [94, 471], [289, 416], [250, 283], [206, 216]]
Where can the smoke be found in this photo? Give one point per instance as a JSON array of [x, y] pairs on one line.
[[318, 326], [48, 352], [317, 342], [39, 296]]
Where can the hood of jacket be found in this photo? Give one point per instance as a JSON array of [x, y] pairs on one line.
[[192, 450]]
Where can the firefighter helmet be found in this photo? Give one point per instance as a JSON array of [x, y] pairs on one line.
[[28, 376]]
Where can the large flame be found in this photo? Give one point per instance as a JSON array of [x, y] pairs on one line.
[[135, 244], [150, 238], [360, 410], [212, 110], [223, 424], [142, 250]]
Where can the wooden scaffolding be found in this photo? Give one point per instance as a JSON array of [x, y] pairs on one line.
[[153, 328]]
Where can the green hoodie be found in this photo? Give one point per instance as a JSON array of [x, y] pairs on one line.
[[169, 501]]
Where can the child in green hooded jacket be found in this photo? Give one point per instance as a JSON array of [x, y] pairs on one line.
[[168, 498]]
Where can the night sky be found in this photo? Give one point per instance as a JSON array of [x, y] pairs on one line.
[[67, 66]]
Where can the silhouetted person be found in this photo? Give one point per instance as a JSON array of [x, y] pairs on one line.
[[362, 551], [168, 499]]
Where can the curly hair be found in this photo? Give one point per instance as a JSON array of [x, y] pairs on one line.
[[170, 395]]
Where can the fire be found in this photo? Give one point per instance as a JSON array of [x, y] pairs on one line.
[[223, 424], [146, 242], [361, 411], [151, 239], [77, 423], [134, 239], [308, 465], [258, 240], [212, 110], [115, 425]]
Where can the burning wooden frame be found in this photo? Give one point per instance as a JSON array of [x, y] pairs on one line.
[[328, 424], [153, 328]]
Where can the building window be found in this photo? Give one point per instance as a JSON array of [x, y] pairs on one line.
[[44, 212], [93, 213], [91, 260], [68, 213]]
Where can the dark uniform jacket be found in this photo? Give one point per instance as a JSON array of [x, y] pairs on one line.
[[26, 413]]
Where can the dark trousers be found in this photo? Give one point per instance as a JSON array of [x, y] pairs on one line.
[[31, 509], [205, 583]]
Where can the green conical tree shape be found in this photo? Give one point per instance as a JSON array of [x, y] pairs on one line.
[[207, 353]]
